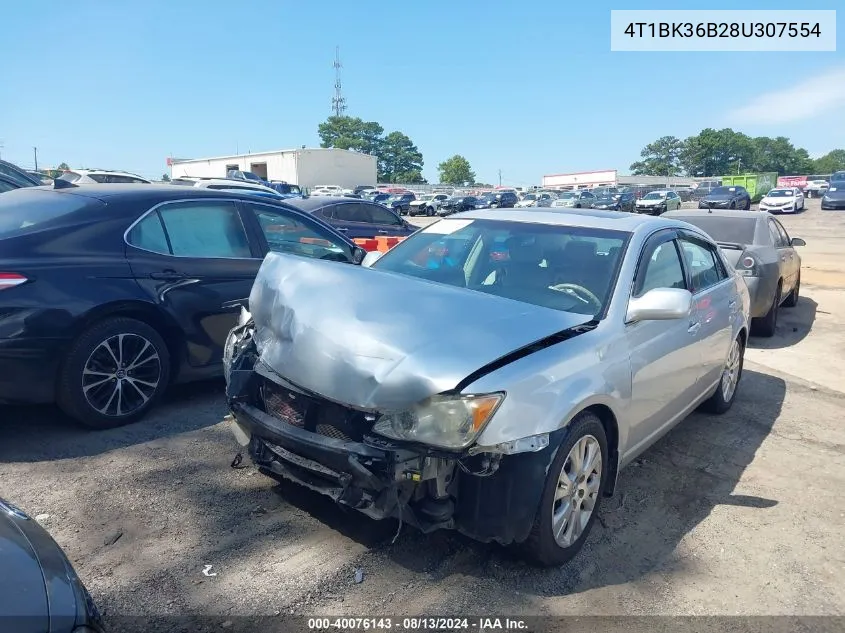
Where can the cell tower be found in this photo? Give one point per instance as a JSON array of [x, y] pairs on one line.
[[338, 101]]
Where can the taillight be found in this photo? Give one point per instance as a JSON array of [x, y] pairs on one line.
[[10, 280], [747, 266]]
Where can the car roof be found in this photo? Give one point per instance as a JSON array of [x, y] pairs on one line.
[[312, 203], [585, 218], [153, 192], [107, 172]]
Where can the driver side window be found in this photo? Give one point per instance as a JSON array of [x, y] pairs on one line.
[[660, 267], [288, 233]]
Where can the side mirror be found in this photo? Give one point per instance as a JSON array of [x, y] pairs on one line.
[[371, 258], [358, 255], [797, 241], [660, 304]]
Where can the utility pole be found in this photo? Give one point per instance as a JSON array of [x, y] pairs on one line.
[[738, 165], [35, 152], [500, 177], [1, 149], [338, 101]]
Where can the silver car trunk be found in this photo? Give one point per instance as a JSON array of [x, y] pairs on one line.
[[380, 341]]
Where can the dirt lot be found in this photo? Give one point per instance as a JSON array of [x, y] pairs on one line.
[[740, 514]]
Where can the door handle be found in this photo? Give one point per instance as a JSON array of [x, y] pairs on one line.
[[170, 275], [694, 328]]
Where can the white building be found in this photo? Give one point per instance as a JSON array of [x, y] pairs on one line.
[[303, 167], [610, 178]]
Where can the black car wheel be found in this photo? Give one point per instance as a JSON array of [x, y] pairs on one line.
[[572, 493], [748, 205], [430, 211], [114, 373], [766, 325], [733, 204]]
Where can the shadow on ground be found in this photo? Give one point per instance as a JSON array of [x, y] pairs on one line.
[[44, 433], [794, 324]]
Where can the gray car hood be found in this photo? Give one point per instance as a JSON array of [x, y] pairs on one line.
[[383, 341]]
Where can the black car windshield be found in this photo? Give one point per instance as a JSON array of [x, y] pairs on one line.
[[780, 193], [723, 191], [724, 229], [559, 267], [25, 210]]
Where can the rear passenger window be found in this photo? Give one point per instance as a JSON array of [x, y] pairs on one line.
[[149, 235]]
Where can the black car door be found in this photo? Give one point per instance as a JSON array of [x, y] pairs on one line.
[[353, 220], [193, 258]]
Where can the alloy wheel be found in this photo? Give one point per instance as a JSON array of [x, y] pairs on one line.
[[121, 374], [730, 375], [577, 491]]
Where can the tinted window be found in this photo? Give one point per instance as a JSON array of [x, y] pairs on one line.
[[205, 229], [290, 233], [26, 209], [659, 268], [558, 267], [701, 261], [781, 239], [378, 215], [350, 213], [735, 230], [7, 186], [22, 179], [149, 235]]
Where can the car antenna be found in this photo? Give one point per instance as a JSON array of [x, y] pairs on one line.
[[61, 183]]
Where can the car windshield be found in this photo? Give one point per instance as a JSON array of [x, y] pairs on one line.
[[655, 195], [425, 197], [724, 229], [529, 196], [723, 191], [568, 195], [780, 193], [559, 267]]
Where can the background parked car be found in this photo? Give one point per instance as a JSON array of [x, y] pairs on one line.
[[657, 202], [732, 197], [427, 204], [355, 218], [90, 176], [703, 188], [133, 288], [225, 184], [834, 197], [458, 204], [616, 202], [13, 177], [527, 200], [816, 188], [574, 199], [762, 252], [783, 200], [400, 202], [39, 589], [497, 200], [238, 174]]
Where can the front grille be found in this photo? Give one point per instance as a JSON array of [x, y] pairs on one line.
[[314, 414]]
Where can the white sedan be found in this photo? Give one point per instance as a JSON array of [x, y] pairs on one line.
[[783, 200]]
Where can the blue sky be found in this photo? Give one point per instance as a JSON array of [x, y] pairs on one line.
[[530, 88]]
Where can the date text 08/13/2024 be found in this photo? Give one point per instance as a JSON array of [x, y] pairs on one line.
[[420, 623]]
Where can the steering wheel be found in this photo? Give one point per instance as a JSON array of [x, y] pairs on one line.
[[580, 292]]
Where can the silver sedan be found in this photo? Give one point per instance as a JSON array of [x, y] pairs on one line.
[[492, 373]]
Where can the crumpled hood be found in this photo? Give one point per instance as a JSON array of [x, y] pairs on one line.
[[378, 340]]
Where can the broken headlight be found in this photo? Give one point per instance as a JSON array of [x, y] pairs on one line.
[[451, 422]]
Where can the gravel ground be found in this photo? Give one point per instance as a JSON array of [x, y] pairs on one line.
[[739, 514]]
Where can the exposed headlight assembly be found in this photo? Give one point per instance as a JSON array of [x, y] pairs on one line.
[[451, 422]]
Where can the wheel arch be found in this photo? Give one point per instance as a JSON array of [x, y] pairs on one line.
[[141, 311]]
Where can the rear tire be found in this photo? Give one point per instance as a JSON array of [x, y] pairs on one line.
[[725, 394], [586, 430], [765, 326], [114, 373], [792, 300]]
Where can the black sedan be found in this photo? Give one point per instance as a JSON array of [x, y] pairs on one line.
[[109, 293], [355, 218], [616, 202], [457, 204], [732, 197], [400, 203], [834, 197], [39, 589]]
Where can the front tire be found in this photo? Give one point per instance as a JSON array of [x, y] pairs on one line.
[[725, 394], [114, 373], [572, 493]]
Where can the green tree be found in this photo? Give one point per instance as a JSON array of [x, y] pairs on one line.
[[455, 171], [660, 158], [717, 153], [830, 162], [779, 155], [165, 178], [353, 133], [399, 160]]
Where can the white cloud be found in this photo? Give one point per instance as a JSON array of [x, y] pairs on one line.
[[798, 101]]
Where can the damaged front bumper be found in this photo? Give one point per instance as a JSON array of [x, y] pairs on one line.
[[328, 447]]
